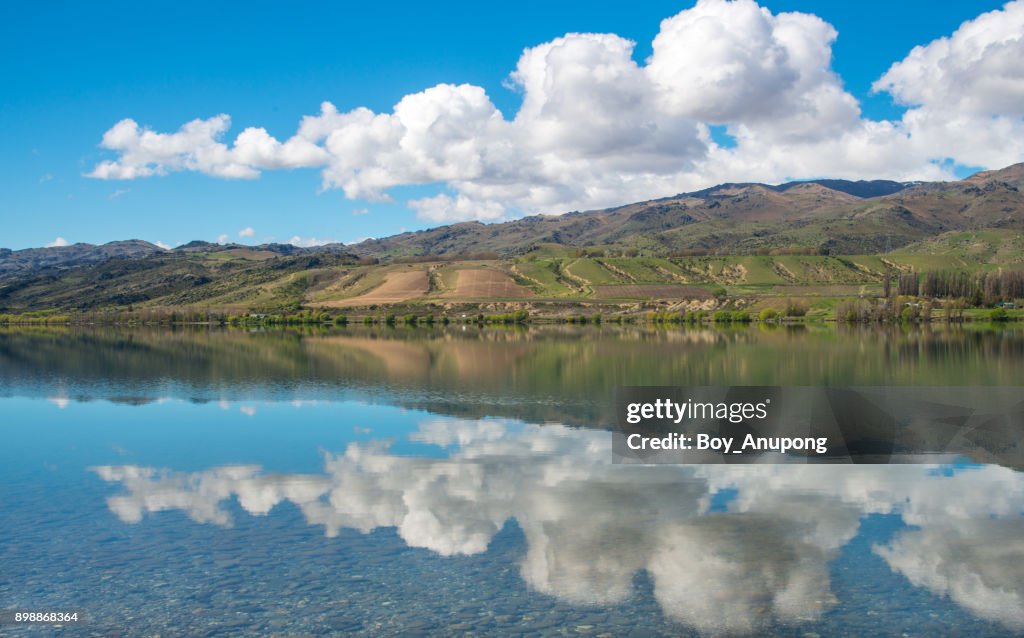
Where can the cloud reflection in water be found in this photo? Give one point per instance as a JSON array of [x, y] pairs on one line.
[[590, 525]]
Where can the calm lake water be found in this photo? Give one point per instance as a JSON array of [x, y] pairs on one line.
[[459, 482]]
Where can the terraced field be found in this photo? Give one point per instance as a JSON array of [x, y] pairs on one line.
[[484, 283], [584, 276], [628, 271], [870, 265], [818, 270], [616, 278], [350, 283], [240, 281], [724, 270], [591, 270], [644, 269], [398, 286], [543, 274]]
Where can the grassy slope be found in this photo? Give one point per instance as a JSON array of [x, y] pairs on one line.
[[542, 276], [987, 249], [570, 277], [593, 272], [239, 281], [174, 279]]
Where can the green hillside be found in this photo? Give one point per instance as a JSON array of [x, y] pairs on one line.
[[242, 281], [733, 243]]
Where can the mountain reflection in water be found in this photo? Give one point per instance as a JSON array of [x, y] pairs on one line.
[[728, 548], [560, 374]]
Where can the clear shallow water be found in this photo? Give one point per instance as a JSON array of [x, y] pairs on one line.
[[252, 503]]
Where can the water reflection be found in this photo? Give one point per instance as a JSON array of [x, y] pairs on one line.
[[729, 548], [559, 374]]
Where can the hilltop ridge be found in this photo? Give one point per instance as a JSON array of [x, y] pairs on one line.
[[828, 216]]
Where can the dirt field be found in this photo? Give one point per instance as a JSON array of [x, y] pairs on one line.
[[397, 287], [654, 291], [484, 283]]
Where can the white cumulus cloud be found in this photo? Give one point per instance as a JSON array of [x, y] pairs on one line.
[[966, 91], [596, 128], [247, 232], [195, 146], [975, 70], [57, 242]]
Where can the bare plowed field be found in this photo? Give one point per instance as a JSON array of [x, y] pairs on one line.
[[397, 287], [483, 283]]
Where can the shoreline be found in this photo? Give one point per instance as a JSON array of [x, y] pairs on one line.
[[384, 321]]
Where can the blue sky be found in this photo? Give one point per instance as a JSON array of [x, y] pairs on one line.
[[73, 70]]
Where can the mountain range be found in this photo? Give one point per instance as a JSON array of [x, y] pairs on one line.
[[979, 218], [831, 215]]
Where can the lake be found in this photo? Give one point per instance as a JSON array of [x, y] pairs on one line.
[[458, 481]]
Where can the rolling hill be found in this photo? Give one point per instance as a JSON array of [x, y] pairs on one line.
[[819, 238], [238, 277]]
